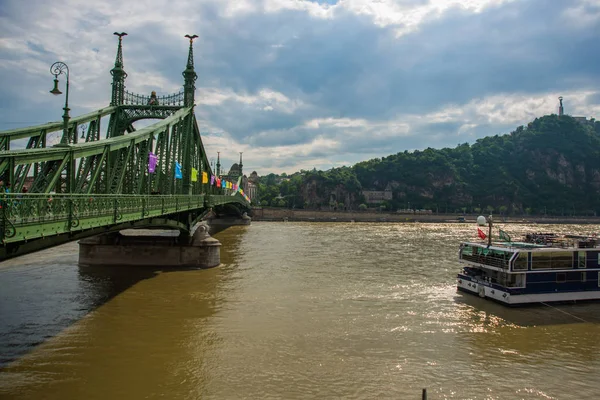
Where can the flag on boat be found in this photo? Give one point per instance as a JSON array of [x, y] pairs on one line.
[[481, 234], [504, 236], [152, 159], [194, 175], [178, 174], [204, 177]]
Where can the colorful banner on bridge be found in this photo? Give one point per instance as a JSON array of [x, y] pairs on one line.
[[152, 159], [194, 175], [222, 183], [178, 174]]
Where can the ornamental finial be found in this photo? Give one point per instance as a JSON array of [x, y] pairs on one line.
[[190, 63], [192, 37], [119, 59]]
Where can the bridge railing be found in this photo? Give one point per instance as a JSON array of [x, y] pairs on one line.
[[39, 130], [27, 216], [133, 99]]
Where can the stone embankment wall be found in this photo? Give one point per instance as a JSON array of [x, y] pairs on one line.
[[282, 214]]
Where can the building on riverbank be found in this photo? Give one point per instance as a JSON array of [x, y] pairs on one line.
[[285, 214], [378, 196]]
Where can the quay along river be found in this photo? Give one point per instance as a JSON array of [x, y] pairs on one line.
[[295, 311]]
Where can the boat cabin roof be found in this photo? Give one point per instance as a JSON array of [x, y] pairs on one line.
[[542, 243]]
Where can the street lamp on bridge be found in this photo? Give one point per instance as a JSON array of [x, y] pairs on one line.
[[59, 68]]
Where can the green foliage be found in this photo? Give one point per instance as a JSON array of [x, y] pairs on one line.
[[550, 166]]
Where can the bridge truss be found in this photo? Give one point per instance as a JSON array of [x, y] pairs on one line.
[[101, 181]]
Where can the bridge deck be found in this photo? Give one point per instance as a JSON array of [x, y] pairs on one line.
[[30, 216]]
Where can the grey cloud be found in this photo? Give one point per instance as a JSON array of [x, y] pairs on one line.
[[349, 66], [341, 67], [593, 99]]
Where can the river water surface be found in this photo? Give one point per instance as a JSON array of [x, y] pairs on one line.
[[296, 311]]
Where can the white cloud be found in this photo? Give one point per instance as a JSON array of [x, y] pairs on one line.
[[582, 15], [408, 15], [299, 109], [335, 122], [312, 8], [265, 99], [514, 108]]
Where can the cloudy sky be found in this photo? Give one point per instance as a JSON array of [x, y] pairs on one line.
[[300, 84]]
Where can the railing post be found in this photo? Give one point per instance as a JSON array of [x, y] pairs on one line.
[[115, 210], [143, 207], [70, 211], [424, 395], [3, 222]]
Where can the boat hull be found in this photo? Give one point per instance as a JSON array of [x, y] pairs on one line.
[[503, 295]]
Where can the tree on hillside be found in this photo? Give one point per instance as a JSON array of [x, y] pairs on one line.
[[551, 164]]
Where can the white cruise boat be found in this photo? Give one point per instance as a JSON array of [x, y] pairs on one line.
[[541, 268]]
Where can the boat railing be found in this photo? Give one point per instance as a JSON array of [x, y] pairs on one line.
[[486, 260]]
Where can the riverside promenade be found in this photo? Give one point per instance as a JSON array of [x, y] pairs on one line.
[[283, 214]]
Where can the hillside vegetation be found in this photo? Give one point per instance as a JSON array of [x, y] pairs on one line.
[[550, 166]]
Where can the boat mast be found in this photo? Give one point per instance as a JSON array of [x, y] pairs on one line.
[[490, 223]]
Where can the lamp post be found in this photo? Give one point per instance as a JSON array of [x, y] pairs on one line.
[[59, 68]]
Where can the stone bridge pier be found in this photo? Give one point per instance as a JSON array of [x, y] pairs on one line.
[[217, 223], [128, 248]]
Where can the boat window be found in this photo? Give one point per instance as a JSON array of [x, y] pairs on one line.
[[552, 260], [520, 262], [562, 260], [497, 258], [581, 259], [466, 250], [483, 255]]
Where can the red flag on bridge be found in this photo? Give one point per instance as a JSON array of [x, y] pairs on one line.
[[481, 234]]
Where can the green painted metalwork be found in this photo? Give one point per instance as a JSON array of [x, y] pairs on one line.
[[40, 131], [30, 216], [118, 74], [100, 181]]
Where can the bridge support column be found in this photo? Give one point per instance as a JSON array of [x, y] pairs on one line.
[[116, 249]]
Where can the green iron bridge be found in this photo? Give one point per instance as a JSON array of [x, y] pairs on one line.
[[100, 182]]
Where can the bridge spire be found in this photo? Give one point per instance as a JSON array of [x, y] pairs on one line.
[[189, 75], [118, 74], [218, 163], [241, 172]]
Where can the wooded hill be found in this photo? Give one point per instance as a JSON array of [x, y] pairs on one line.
[[550, 166]]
